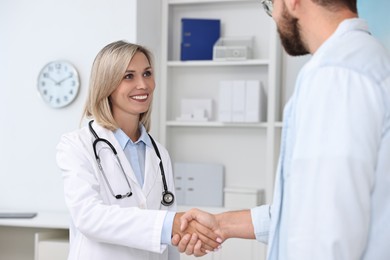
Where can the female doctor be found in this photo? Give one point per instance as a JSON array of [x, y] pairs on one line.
[[118, 181]]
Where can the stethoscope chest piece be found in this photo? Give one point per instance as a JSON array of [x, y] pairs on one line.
[[168, 198]]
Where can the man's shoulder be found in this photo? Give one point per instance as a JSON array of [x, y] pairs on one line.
[[359, 52]]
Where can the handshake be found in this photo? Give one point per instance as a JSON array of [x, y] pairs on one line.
[[197, 233]]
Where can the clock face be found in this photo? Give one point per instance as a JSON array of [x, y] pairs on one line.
[[58, 83]]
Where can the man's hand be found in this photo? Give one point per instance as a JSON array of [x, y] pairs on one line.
[[200, 237]]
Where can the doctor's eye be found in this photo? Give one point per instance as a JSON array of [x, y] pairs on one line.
[[128, 76], [148, 73]]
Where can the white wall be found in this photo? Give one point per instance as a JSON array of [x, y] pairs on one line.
[[32, 34]]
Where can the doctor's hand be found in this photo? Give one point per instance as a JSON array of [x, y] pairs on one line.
[[190, 244], [196, 236]]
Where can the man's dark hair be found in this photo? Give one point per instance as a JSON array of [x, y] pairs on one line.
[[336, 4]]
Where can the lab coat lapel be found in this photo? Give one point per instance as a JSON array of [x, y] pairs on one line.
[[152, 170]]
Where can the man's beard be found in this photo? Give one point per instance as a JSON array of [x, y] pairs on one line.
[[290, 35]]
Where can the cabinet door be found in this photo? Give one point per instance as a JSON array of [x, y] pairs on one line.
[[51, 245]]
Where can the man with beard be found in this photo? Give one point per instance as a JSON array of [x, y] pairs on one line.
[[332, 195]]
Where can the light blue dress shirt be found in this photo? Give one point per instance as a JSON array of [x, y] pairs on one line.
[[135, 151], [135, 154], [332, 195]]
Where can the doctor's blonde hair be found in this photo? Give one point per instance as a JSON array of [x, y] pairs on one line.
[[107, 73]]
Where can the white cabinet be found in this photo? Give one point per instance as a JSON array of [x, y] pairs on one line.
[[40, 238], [248, 151]]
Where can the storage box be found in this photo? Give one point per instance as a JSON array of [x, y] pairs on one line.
[[243, 198], [233, 48], [256, 102], [225, 101], [194, 109], [242, 101]]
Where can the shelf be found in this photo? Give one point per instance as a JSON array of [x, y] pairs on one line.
[[172, 2], [211, 63], [215, 124]]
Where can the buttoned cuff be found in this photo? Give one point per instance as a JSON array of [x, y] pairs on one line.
[[261, 220]]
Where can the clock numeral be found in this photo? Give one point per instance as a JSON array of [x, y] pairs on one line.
[[65, 98], [58, 100]]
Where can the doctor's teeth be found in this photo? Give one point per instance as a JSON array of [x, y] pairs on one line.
[[140, 97]]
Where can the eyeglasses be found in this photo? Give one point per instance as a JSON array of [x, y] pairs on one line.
[[268, 6]]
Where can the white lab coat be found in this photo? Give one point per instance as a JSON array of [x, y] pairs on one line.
[[104, 227]]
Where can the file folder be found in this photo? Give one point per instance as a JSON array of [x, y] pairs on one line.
[[198, 38]]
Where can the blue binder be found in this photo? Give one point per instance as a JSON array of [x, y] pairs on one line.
[[198, 38]]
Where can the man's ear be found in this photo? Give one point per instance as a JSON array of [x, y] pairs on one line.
[[292, 5]]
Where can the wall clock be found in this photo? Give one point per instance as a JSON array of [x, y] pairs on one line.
[[58, 83]]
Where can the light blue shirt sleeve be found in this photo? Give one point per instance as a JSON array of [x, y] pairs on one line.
[[261, 219], [166, 233]]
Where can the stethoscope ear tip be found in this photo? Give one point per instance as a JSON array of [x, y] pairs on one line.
[[123, 196]]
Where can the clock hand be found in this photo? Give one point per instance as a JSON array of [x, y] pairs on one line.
[[52, 79], [62, 80]]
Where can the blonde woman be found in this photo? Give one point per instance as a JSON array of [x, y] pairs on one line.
[[118, 181]]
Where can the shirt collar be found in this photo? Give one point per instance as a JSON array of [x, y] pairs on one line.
[[345, 26], [123, 139]]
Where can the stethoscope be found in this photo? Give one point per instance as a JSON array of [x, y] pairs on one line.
[[167, 196]]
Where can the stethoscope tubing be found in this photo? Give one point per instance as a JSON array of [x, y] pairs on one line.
[[167, 196]]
